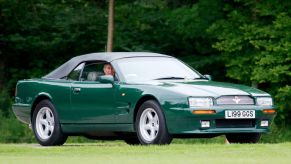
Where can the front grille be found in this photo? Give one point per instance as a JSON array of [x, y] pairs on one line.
[[234, 100], [235, 123]]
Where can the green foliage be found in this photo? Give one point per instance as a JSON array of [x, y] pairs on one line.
[[255, 41], [284, 104], [179, 31], [5, 104], [136, 28], [206, 66], [36, 32], [188, 24], [40, 35], [278, 134], [13, 131]]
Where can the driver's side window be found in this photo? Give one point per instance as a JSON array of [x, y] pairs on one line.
[[92, 72]]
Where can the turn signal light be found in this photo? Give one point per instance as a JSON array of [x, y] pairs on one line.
[[203, 111], [269, 111]]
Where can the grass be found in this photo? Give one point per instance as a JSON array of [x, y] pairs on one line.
[[119, 152]]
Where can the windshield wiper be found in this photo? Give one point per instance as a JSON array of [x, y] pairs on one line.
[[169, 78], [197, 78]]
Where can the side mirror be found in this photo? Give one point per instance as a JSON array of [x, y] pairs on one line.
[[106, 79], [208, 77]]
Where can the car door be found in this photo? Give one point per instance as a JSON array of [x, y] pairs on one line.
[[92, 101]]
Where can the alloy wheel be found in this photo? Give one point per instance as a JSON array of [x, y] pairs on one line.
[[149, 124], [45, 123]]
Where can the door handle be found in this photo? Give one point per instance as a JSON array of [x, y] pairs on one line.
[[76, 90]]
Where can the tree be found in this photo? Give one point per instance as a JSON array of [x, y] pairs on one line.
[[255, 41], [110, 36]]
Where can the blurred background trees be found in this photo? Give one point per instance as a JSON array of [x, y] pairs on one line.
[[240, 41]]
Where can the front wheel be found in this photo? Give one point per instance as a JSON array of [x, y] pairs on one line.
[[243, 137], [46, 125], [151, 125]]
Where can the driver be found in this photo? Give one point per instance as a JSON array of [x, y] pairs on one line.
[[108, 69]]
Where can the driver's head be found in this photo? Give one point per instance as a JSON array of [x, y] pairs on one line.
[[108, 69]]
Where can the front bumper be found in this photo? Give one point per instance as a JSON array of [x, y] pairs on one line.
[[183, 121]]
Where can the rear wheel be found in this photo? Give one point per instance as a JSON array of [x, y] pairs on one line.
[[46, 125], [243, 137], [151, 125]]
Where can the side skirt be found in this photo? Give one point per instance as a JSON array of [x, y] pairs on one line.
[[196, 135], [96, 128]]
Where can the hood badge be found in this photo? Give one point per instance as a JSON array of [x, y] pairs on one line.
[[236, 99]]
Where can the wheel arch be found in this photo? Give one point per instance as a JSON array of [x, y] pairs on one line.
[[143, 99], [39, 98]]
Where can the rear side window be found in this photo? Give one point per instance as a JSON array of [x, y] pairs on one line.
[[75, 74]]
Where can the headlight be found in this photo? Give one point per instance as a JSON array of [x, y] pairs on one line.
[[200, 102], [264, 101]]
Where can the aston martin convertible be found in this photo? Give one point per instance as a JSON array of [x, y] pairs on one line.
[[141, 98]]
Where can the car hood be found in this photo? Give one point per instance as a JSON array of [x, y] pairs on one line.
[[207, 88]]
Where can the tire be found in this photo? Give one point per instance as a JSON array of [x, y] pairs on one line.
[[243, 137], [151, 125], [46, 125]]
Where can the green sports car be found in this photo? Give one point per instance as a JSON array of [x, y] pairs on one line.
[[142, 98]]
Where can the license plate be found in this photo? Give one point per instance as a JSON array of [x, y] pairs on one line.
[[238, 114]]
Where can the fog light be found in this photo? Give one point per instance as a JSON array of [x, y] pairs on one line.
[[264, 123], [205, 124]]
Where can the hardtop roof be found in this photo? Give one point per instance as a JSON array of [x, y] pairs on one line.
[[110, 56], [66, 68]]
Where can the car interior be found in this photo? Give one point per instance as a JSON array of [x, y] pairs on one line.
[[90, 71]]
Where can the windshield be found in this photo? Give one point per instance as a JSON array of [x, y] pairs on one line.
[[154, 68]]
